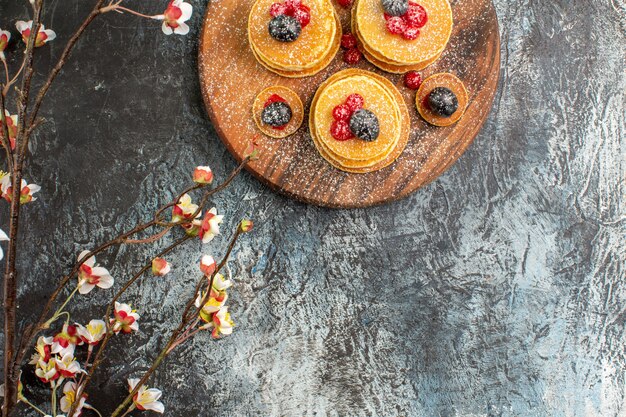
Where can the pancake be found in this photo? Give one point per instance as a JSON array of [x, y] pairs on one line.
[[377, 100], [348, 165], [441, 80], [433, 38], [297, 111], [323, 134], [386, 66], [311, 47], [310, 71]]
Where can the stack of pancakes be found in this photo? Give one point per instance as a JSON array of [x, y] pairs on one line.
[[383, 99], [314, 49], [393, 53]]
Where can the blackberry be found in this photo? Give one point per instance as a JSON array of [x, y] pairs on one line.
[[443, 101], [276, 114], [284, 28], [395, 7], [364, 125]]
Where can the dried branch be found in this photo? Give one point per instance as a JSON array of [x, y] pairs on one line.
[[11, 372]]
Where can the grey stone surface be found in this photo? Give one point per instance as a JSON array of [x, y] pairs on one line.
[[498, 290]]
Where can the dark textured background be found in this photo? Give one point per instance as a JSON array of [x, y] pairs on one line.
[[497, 290]]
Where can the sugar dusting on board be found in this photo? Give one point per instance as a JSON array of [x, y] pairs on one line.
[[231, 78]]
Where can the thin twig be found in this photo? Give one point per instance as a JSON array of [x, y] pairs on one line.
[[57, 68]]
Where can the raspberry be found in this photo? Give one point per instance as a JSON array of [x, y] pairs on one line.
[[348, 41], [292, 4], [342, 112], [387, 16], [340, 130], [413, 80], [355, 102], [276, 9], [410, 33], [416, 16], [396, 25], [302, 15], [352, 56], [345, 3], [273, 99]]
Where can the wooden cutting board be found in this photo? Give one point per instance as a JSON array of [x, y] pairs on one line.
[[231, 78]]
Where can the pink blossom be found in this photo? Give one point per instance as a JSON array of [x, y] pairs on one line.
[[91, 275], [44, 36], [66, 339], [5, 37], [125, 319], [175, 16], [26, 193], [146, 398], [92, 333], [210, 225]]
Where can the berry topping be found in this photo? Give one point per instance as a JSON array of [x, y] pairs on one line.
[[303, 15], [285, 28], [342, 112], [416, 16], [413, 80], [352, 56], [272, 99], [443, 101], [292, 5], [348, 41], [364, 125], [276, 114], [396, 25], [411, 33], [345, 3], [340, 130], [355, 102], [395, 7], [277, 9]]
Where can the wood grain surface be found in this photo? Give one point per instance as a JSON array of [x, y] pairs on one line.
[[231, 78]]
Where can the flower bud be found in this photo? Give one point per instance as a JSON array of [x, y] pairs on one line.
[[160, 267], [203, 175], [252, 150], [246, 225], [207, 265]]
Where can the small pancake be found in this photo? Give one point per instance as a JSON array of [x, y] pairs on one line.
[[337, 161], [311, 71], [376, 99], [441, 80], [433, 38], [305, 52], [394, 68], [297, 111]]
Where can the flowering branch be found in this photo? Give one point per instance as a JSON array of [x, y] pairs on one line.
[[54, 356], [185, 320]]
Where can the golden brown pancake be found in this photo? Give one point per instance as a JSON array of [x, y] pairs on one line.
[[441, 80], [384, 65], [377, 99], [353, 166], [433, 38], [310, 71], [294, 102], [311, 47]]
